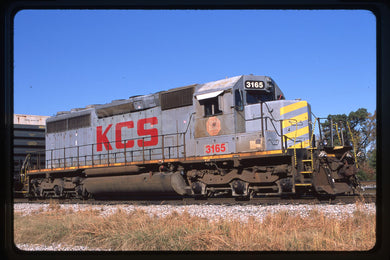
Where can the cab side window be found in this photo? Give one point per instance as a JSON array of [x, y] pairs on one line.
[[238, 100], [211, 107]]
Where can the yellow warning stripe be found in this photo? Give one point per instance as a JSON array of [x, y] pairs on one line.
[[292, 107], [295, 119], [299, 132]]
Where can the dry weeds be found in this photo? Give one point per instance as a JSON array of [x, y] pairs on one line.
[[182, 232]]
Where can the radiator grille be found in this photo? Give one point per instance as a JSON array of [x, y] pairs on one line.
[[178, 98], [68, 124], [79, 122], [56, 126]]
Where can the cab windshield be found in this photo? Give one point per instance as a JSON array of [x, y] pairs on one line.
[[256, 96]]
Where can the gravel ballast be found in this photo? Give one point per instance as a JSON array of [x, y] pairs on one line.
[[211, 212]]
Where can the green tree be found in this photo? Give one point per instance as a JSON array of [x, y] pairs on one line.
[[370, 130]]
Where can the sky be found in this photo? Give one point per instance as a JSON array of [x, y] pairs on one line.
[[66, 59]]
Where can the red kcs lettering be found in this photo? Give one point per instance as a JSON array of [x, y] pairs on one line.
[[153, 132], [118, 135], [101, 137]]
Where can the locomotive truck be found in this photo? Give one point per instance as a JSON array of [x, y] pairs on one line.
[[235, 137]]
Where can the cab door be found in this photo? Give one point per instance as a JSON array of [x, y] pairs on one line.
[[239, 113]]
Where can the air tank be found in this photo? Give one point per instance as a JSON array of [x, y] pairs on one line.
[[153, 183]]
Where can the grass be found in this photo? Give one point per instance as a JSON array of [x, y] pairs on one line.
[[182, 232]]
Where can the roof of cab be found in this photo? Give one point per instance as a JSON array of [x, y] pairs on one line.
[[218, 85]]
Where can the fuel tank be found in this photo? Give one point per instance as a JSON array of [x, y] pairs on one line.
[[137, 185]]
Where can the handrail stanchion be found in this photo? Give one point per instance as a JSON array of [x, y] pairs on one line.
[[342, 135], [184, 146], [125, 153], [92, 156], [319, 129], [143, 149], [177, 143], [281, 135], [64, 159], [354, 146], [285, 142], [331, 132], [162, 147], [108, 154]]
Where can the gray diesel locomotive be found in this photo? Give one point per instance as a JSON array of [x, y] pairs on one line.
[[237, 136]]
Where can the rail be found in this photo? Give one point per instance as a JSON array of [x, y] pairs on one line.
[[87, 155]]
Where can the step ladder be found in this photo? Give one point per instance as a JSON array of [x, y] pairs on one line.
[[308, 164]]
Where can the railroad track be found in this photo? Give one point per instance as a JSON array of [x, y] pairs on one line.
[[368, 195], [365, 198]]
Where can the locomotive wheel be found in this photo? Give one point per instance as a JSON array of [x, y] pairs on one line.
[[239, 188], [198, 188], [58, 191]]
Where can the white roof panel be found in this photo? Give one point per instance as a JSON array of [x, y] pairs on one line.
[[208, 95], [217, 85]]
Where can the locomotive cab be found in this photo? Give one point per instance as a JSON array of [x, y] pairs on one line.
[[260, 114], [279, 123], [231, 111]]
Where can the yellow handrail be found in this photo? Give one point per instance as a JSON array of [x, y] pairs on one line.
[[353, 143], [338, 134], [295, 139]]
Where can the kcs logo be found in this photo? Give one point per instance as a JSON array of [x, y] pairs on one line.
[[101, 137]]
